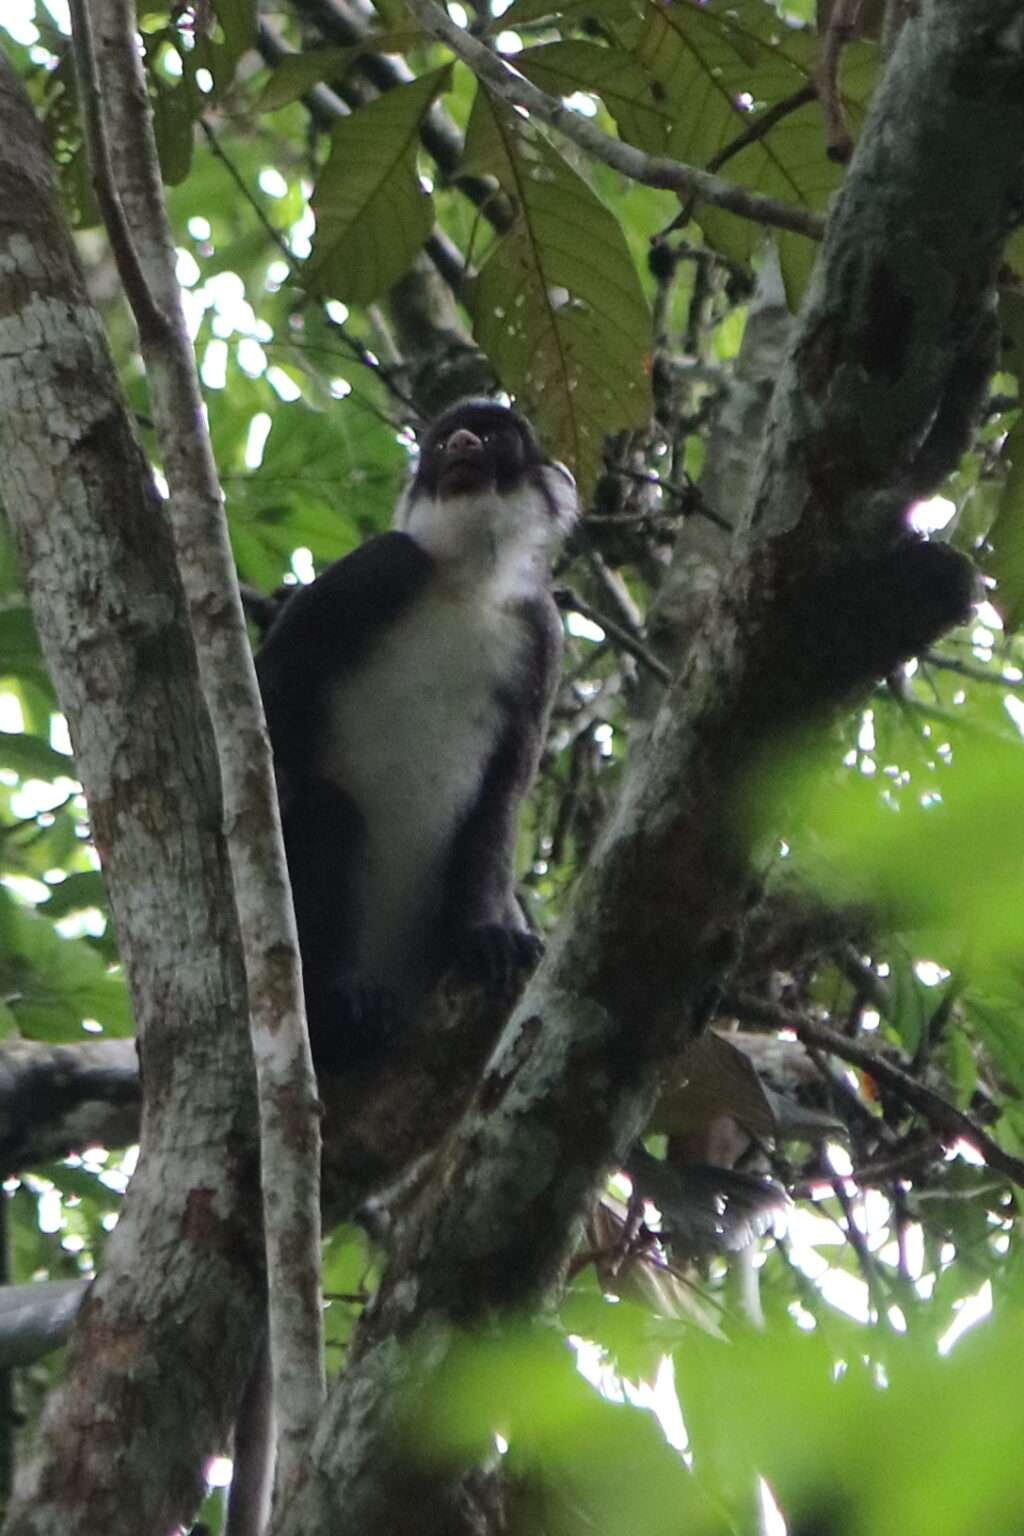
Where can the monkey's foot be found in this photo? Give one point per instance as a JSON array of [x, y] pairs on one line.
[[496, 957]]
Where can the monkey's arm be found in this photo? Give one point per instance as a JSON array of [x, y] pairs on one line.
[[480, 904]]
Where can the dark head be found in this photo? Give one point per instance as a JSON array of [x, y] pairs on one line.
[[475, 445], [483, 478]]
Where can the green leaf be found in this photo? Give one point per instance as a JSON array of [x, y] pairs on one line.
[[558, 306], [219, 53], [612, 12], [238, 19], [32, 758], [372, 213], [1005, 560], [910, 999], [943, 851], [51, 984], [997, 1019], [328, 478], [299, 72], [77, 892], [20, 655], [720, 66], [175, 108], [635, 100]]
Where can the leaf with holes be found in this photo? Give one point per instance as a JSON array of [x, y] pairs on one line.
[[724, 66], [372, 214], [558, 306]]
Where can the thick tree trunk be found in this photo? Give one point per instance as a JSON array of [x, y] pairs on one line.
[[164, 1338]]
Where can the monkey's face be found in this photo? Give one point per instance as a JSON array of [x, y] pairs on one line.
[[477, 446], [483, 484]]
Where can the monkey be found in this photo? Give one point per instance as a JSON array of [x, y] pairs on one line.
[[407, 692]]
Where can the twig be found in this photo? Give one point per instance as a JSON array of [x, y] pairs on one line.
[[763, 124], [688, 495], [864, 979], [976, 674], [951, 1123], [571, 602], [649, 170], [865, 1258], [752, 134]]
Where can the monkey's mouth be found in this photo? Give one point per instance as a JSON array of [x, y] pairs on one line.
[[464, 470]]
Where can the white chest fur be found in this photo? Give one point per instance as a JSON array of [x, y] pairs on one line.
[[409, 736]]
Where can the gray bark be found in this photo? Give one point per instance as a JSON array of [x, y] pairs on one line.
[[123, 1439]]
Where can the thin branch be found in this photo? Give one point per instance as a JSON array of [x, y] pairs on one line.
[[289, 1106], [148, 316], [841, 29], [571, 601], [752, 134], [865, 1258], [864, 979], [692, 502], [763, 124], [649, 170], [951, 1123], [976, 674], [56, 1100]]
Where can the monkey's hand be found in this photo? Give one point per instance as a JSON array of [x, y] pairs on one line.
[[497, 957]]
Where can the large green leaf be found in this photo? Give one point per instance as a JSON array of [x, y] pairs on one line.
[[372, 213], [31, 757], [299, 72], [176, 105], [558, 306], [51, 984], [631, 94], [722, 64], [611, 13]]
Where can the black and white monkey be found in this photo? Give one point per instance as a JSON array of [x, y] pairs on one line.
[[407, 693]]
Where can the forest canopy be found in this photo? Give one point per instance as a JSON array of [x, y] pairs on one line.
[[729, 1239]]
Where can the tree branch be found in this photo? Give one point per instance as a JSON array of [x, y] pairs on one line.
[[951, 1123], [649, 170], [289, 1105], [184, 1264], [56, 1100]]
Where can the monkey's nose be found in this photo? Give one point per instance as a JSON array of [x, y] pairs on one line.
[[462, 442]]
